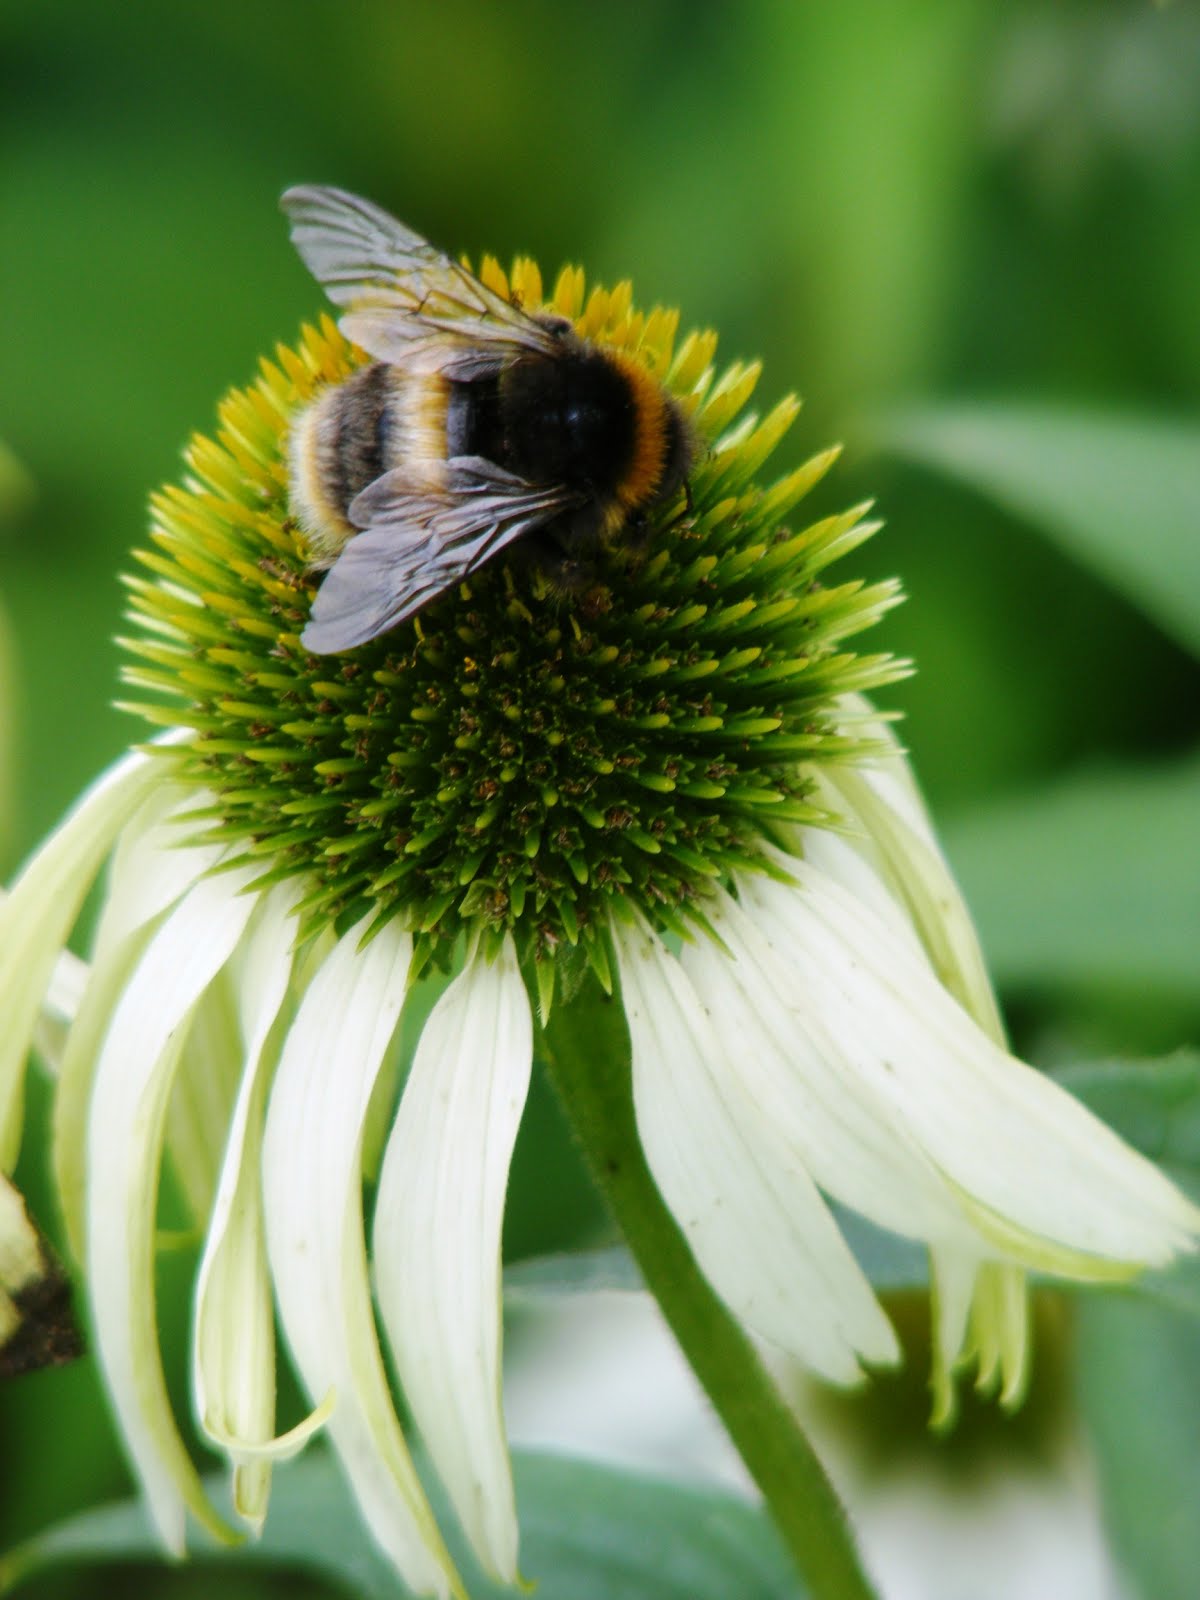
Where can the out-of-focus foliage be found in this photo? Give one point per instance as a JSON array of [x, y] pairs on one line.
[[1119, 495], [1136, 1376], [7, 701], [16, 491], [1094, 879], [901, 205], [591, 1534]]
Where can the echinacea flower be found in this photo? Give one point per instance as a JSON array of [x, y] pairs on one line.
[[37, 1325], [670, 781]]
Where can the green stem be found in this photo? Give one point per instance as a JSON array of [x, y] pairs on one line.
[[587, 1054]]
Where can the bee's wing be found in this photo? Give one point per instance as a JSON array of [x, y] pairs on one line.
[[419, 540], [407, 301]]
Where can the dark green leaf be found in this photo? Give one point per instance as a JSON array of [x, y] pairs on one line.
[[16, 486], [1138, 1378], [890, 1262], [1119, 494], [1155, 1105], [595, 1533], [588, 1533], [1094, 881]]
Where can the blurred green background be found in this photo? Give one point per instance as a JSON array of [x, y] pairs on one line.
[[905, 208]]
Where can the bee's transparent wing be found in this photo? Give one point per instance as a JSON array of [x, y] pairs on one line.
[[419, 540], [406, 301]]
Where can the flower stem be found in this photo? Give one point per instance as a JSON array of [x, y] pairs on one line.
[[586, 1050]]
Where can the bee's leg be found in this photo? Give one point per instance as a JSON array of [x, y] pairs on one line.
[[640, 528], [640, 531], [566, 572], [636, 534]]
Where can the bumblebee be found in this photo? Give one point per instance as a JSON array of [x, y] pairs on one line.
[[474, 427]]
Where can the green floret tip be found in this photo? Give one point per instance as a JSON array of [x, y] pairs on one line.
[[513, 759]]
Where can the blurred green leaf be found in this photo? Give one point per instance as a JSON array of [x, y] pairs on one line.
[[16, 492], [1094, 880], [1121, 495], [7, 708], [588, 1533], [1138, 1381], [16, 486], [597, 1533], [1155, 1105]]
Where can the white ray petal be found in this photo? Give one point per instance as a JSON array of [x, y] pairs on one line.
[[202, 1100], [107, 981], [151, 869], [61, 1002], [847, 860], [67, 983], [312, 1192], [60, 1006], [794, 1068], [37, 916], [952, 1275], [124, 1147], [856, 713], [980, 1314], [881, 801], [437, 1239], [1000, 1329], [233, 1344], [148, 875], [752, 1215], [1015, 1333], [1041, 1178]]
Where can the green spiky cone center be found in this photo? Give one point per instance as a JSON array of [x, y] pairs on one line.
[[514, 758]]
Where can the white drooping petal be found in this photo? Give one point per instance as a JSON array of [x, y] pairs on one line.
[[61, 1002], [1044, 1182], [952, 1277], [151, 869], [67, 983], [202, 1099], [794, 1065], [107, 981], [882, 805], [1001, 1326], [846, 860], [312, 1193], [60, 1008], [751, 1213], [37, 916], [151, 866], [233, 1344], [980, 1314], [124, 1148], [437, 1239], [150, 873]]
